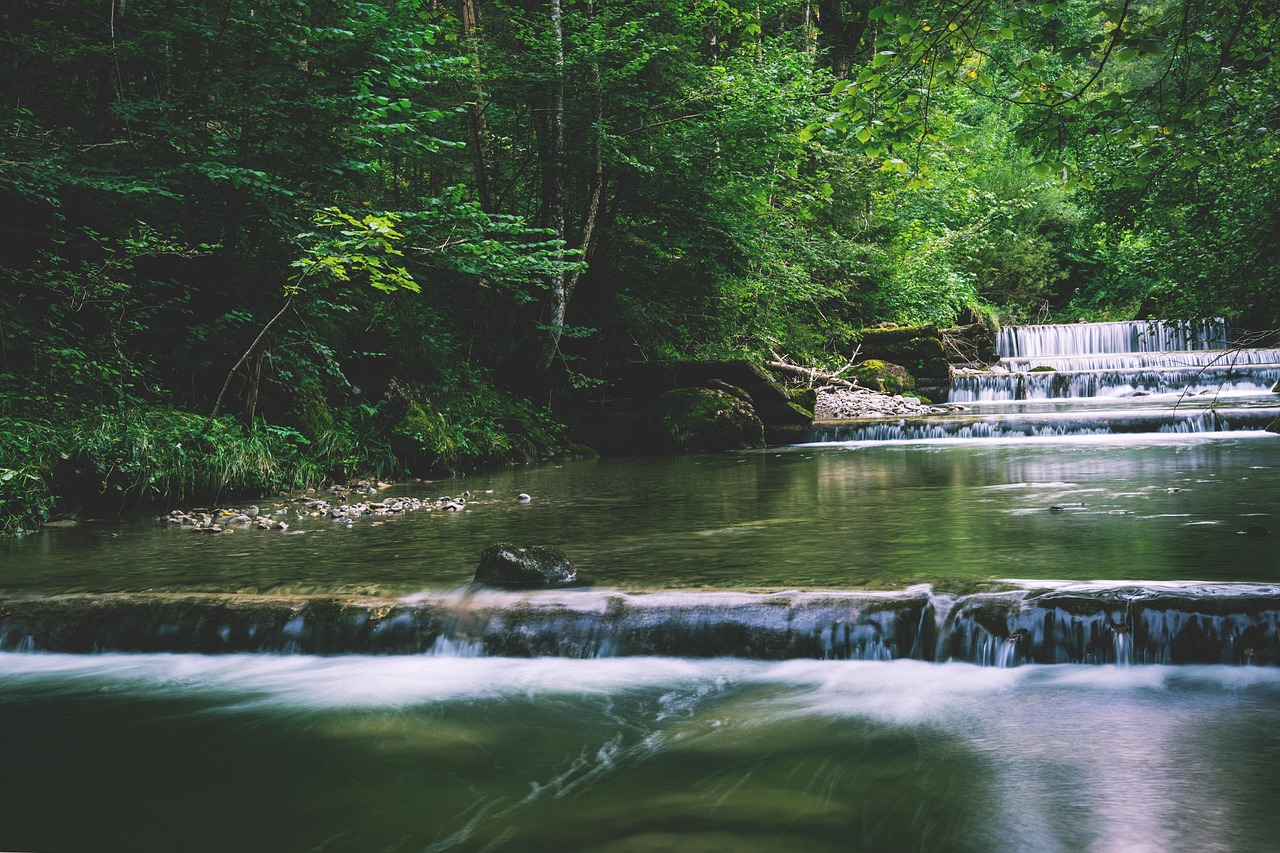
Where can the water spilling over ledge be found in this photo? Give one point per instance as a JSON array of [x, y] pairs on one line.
[[1166, 420], [1164, 623], [1126, 336], [1084, 360]]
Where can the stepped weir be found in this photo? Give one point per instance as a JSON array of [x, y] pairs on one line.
[[1170, 623], [1118, 360]]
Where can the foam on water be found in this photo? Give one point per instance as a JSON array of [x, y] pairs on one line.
[[900, 692]]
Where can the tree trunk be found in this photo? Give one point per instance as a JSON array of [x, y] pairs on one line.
[[841, 26], [476, 108], [551, 154]]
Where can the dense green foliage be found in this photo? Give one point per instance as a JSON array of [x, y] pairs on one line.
[[393, 235]]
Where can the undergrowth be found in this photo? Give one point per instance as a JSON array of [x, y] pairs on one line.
[[116, 459]]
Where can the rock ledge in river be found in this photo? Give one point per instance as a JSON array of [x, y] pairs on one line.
[[505, 564]]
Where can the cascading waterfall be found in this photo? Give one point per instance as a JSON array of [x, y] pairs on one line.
[[1170, 623], [1119, 360], [1130, 336]]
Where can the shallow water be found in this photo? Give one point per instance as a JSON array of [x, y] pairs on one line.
[[875, 514], [160, 752], [170, 752]]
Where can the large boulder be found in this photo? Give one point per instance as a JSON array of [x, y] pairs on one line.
[[505, 564], [917, 348], [706, 419], [882, 376], [646, 381], [973, 344]]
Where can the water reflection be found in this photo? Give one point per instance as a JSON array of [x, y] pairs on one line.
[[843, 516]]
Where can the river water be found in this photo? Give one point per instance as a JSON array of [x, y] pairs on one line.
[[177, 752], [872, 514], [268, 752], [448, 751]]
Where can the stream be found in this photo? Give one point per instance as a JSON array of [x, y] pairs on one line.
[[1050, 622]]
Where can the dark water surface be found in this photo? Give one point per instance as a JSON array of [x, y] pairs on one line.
[[265, 752], [866, 515], [644, 754]]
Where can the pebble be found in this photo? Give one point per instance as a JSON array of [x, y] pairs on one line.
[[308, 506], [865, 403]]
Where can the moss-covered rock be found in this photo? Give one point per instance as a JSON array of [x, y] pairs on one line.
[[805, 398], [971, 344], [1042, 368], [917, 348], [882, 376], [705, 419], [1274, 426]]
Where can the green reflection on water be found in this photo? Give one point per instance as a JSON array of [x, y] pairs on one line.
[[833, 517]]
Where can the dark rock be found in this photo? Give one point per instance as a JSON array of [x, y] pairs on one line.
[[972, 343], [731, 390], [705, 419], [917, 348], [505, 564], [1274, 426], [1255, 530], [882, 376], [645, 382]]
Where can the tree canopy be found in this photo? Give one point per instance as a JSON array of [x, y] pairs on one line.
[[397, 231]]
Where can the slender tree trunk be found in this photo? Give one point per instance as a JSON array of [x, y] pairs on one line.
[[552, 156], [597, 178], [476, 109]]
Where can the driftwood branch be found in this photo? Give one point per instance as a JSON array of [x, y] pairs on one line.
[[814, 376], [217, 406]]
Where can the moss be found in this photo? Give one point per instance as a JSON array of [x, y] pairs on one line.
[[1042, 369], [883, 376], [805, 398], [705, 419], [917, 348]]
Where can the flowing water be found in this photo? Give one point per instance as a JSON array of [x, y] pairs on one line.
[[949, 635]]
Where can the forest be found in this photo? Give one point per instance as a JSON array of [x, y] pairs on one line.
[[262, 244]]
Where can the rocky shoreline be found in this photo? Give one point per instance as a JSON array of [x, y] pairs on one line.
[[837, 403]]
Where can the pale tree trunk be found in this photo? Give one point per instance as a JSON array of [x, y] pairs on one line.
[[552, 156], [597, 178]]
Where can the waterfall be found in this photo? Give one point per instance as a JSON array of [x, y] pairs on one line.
[[1115, 360], [1186, 421], [1130, 336], [1052, 622]]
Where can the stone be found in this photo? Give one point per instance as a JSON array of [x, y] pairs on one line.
[[917, 348], [883, 376], [705, 420], [805, 398], [505, 564], [839, 403]]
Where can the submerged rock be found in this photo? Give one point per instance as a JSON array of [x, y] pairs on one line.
[[505, 564]]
